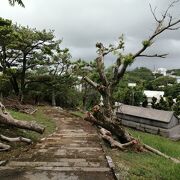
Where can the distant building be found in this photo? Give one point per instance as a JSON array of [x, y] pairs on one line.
[[161, 71], [176, 77], [131, 84], [150, 94], [153, 121]]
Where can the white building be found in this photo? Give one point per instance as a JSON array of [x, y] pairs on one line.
[[161, 71], [150, 94], [178, 79]]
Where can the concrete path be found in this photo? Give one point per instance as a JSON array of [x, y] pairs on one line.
[[73, 152]]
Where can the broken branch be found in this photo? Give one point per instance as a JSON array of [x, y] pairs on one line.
[[105, 134], [4, 147], [154, 55], [17, 139], [160, 153]]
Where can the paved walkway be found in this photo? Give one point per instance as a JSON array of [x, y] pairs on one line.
[[73, 152]]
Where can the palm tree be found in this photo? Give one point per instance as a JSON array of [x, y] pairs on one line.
[[12, 2]]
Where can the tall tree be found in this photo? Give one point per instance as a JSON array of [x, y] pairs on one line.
[[8, 56], [22, 49], [105, 116]]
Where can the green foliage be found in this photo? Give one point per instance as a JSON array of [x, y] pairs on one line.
[[163, 81], [142, 74], [5, 86], [145, 101], [146, 43], [162, 104], [128, 59], [173, 90], [4, 22], [127, 95], [154, 101], [19, 2], [170, 102], [176, 107], [175, 72]]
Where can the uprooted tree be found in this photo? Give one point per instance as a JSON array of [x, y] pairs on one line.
[[104, 116], [7, 119]]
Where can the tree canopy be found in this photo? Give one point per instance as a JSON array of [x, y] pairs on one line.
[[19, 2]]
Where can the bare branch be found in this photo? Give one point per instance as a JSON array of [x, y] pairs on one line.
[[170, 6], [161, 27], [92, 83], [154, 55], [120, 74], [172, 29], [4, 147], [154, 13], [17, 139], [100, 62]]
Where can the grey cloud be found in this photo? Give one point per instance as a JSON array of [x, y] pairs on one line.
[[82, 23]]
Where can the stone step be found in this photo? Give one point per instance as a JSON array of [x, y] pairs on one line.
[[65, 169], [100, 159], [67, 174], [71, 144], [74, 135], [67, 163]]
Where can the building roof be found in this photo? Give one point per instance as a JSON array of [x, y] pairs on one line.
[[147, 113]]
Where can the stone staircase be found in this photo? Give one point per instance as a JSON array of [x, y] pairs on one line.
[[73, 152]]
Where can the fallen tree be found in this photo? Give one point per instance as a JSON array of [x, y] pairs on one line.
[[6, 118], [104, 115], [106, 135], [14, 104]]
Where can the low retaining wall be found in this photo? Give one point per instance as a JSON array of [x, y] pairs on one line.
[[172, 133]]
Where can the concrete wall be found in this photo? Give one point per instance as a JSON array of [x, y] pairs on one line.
[[173, 122], [172, 133]]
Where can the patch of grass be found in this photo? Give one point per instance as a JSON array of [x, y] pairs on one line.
[[77, 113], [146, 165], [17, 148], [40, 118], [163, 144]]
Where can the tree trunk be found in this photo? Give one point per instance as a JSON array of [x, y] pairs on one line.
[[108, 137], [6, 118], [23, 76], [53, 98], [1, 96], [108, 110], [14, 84], [110, 123]]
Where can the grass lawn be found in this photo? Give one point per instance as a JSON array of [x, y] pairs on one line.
[[39, 117], [133, 165]]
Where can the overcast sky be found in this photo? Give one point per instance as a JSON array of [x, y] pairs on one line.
[[82, 23]]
